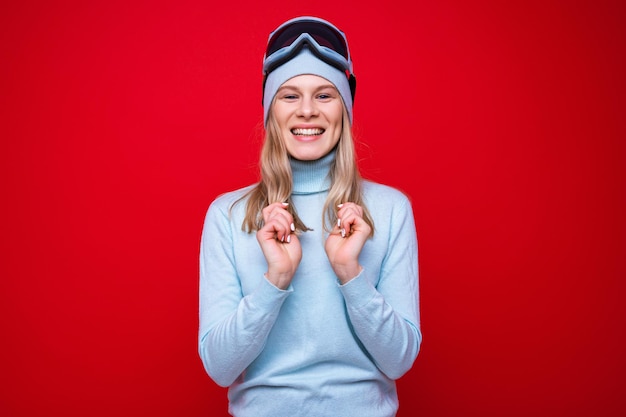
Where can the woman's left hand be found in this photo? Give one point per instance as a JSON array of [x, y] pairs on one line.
[[346, 240]]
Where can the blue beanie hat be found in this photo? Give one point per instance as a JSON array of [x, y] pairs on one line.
[[306, 63]]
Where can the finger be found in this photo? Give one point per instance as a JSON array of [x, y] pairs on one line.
[[283, 221], [279, 227], [350, 218], [345, 209], [280, 221], [278, 209], [267, 211]]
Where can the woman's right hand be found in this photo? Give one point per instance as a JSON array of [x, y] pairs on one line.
[[280, 245]]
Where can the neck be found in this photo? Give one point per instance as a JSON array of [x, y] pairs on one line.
[[310, 177]]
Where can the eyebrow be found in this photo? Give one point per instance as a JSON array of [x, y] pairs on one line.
[[293, 87]]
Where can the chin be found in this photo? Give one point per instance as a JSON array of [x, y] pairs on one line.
[[305, 157]]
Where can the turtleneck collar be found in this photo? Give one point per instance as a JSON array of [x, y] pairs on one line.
[[310, 177]]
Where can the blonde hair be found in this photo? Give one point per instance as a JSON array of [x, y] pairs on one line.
[[277, 181]]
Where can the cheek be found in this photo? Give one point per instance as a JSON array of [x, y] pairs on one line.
[[280, 114], [337, 117], [336, 133]]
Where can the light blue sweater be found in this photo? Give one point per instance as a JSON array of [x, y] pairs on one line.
[[318, 348]]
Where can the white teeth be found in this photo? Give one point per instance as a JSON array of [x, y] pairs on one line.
[[307, 132]]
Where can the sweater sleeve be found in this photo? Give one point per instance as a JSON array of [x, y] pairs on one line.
[[233, 328], [385, 317]]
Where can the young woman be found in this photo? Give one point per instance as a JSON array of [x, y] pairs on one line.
[[309, 278]]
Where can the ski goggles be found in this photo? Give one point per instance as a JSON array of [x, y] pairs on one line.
[[324, 40]]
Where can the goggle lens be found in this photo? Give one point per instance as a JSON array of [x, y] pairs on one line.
[[323, 34]]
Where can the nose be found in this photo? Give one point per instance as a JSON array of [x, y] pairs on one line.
[[307, 108]]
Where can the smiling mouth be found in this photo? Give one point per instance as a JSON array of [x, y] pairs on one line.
[[307, 132]]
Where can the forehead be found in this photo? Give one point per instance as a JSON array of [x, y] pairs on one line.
[[307, 81]]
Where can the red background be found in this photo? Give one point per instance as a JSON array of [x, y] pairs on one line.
[[504, 122]]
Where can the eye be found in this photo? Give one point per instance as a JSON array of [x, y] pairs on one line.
[[325, 96]]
